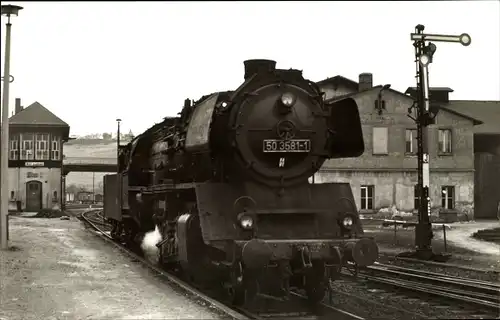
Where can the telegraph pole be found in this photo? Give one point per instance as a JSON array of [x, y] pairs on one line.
[[118, 176], [8, 11], [424, 117], [93, 187]]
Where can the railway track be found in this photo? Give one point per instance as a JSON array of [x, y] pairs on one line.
[[445, 267], [484, 294], [264, 308], [471, 298]]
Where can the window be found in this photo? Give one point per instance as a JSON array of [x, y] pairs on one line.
[[367, 197], [448, 197], [416, 197], [444, 141], [12, 195], [56, 148], [54, 196], [42, 146], [14, 147], [27, 152], [380, 140], [411, 141]]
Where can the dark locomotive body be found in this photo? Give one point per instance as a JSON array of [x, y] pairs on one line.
[[226, 183]]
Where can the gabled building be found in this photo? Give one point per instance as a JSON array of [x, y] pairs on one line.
[[36, 144], [385, 176], [486, 148]]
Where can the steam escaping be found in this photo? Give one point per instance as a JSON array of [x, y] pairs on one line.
[[148, 245]]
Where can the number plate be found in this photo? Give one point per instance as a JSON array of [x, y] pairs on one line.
[[294, 145]]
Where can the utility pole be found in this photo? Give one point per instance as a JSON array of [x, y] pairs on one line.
[[93, 187], [425, 115], [118, 176], [8, 11]]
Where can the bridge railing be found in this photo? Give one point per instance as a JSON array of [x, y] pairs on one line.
[[89, 161]]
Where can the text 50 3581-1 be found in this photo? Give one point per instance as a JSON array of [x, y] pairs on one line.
[[294, 145]]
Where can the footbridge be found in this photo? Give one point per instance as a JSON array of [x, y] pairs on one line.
[[89, 164]]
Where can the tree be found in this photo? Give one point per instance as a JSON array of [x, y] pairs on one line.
[[106, 136], [93, 136], [100, 188], [72, 188]]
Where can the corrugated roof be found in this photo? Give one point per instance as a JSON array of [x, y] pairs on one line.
[[487, 112], [36, 114]]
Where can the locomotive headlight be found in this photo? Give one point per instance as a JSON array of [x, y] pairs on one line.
[[347, 222], [246, 221], [288, 99]]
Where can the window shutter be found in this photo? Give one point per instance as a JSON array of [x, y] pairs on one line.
[[380, 139]]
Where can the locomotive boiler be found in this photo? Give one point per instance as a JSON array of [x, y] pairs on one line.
[[226, 183]]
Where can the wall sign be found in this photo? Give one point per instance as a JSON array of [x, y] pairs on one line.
[[32, 175], [34, 164]]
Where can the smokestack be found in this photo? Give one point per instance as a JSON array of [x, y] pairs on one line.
[[18, 108], [365, 81], [257, 66]]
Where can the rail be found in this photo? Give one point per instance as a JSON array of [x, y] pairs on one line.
[[103, 232], [279, 309], [483, 294]]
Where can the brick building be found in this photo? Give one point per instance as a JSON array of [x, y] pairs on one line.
[[385, 176], [35, 157]]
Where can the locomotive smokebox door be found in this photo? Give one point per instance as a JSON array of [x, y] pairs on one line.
[[346, 138]]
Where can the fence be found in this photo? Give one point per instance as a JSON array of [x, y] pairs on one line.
[[407, 224]]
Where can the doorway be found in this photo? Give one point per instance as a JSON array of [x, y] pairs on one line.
[[33, 196]]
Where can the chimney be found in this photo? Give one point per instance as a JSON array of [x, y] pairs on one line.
[[365, 81], [18, 108], [257, 66]]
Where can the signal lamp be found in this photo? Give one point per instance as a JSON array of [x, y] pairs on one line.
[[465, 39], [424, 60]]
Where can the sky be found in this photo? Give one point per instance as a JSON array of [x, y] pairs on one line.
[[93, 62]]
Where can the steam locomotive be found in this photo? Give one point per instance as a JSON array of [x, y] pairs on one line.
[[226, 183]]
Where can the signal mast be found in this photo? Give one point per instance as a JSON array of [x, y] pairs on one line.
[[425, 115]]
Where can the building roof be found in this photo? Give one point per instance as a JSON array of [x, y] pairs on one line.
[[413, 90], [448, 107], [36, 114], [375, 88], [488, 112], [339, 79]]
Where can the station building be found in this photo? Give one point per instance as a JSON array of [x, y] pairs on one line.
[[385, 176], [36, 144]]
